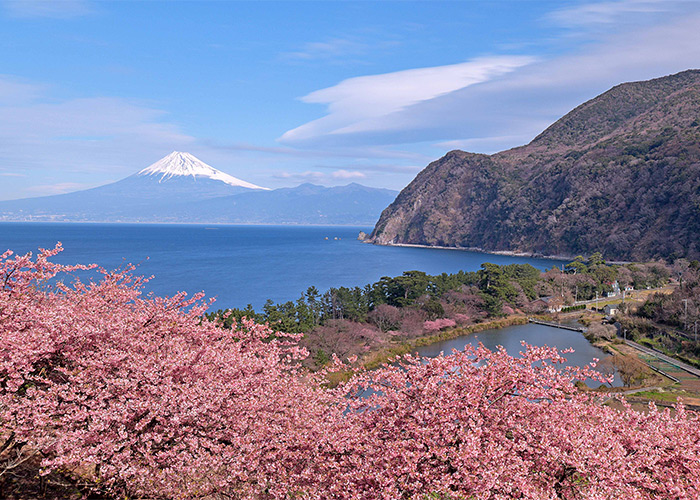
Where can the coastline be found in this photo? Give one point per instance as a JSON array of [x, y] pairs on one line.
[[507, 253], [173, 223]]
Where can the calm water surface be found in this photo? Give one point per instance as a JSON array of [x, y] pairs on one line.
[[241, 264], [538, 335]]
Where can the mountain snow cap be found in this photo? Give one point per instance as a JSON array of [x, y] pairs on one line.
[[185, 164]]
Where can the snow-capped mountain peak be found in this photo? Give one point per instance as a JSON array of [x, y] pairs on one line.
[[184, 164]]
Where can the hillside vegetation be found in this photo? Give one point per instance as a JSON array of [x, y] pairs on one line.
[[396, 311], [619, 174]]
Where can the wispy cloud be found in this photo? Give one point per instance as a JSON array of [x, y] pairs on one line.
[[11, 174], [15, 91], [608, 13], [331, 48], [80, 135], [57, 9], [58, 188], [357, 104], [506, 105], [320, 177], [338, 152], [341, 48]]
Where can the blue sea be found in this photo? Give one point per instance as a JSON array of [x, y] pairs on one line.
[[241, 265]]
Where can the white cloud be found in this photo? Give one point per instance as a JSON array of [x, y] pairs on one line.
[[357, 104], [508, 110], [320, 177], [58, 188], [307, 176], [607, 13], [58, 9], [11, 174], [348, 174]]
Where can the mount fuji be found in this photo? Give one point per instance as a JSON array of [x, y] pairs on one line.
[[182, 188], [177, 165]]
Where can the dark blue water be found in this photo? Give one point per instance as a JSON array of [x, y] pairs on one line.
[[510, 338], [241, 264]]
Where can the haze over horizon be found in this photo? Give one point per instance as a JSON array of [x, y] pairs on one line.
[[280, 93]]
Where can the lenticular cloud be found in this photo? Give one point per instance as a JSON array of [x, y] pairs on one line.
[[355, 104]]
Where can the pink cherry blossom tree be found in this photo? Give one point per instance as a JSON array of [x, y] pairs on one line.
[[438, 324], [150, 396], [147, 399], [483, 424]]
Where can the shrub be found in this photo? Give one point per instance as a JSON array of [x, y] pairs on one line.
[[462, 318], [439, 324], [385, 317]]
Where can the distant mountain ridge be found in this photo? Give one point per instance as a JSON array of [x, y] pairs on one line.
[[353, 204], [182, 188], [619, 174]]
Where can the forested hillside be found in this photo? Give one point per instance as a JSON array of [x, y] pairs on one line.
[[619, 174]]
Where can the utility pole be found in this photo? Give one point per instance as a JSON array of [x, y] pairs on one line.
[[696, 330], [596, 301], [685, 321]]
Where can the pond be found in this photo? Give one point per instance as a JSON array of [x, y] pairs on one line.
[[540, 335]]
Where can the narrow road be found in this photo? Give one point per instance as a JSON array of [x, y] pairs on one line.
[[667, 359]]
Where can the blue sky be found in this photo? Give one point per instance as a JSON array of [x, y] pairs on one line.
[[279, 93]]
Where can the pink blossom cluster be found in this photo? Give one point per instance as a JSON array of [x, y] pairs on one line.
[[462, 318], [152, 396], [150, 400], [438, 324]]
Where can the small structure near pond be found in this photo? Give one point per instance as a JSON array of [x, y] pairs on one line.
[[550, 304], [611, 309]]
